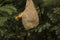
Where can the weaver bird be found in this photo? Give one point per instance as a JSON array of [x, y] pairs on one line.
[[29, 16]]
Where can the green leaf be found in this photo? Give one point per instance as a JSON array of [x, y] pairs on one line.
[[2, 20], [9, 9]]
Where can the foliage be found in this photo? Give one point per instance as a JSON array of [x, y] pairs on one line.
[[11, 29]]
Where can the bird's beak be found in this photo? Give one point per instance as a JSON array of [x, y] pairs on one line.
[[19, 16]]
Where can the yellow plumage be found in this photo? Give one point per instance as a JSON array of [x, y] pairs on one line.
[[18, 16]]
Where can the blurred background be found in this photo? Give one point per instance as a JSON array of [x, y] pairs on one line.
[[49, 17]]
